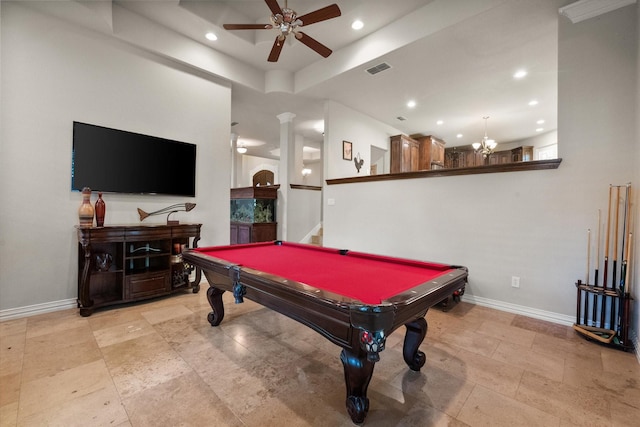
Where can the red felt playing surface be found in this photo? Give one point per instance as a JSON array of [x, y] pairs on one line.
[[368, 278]]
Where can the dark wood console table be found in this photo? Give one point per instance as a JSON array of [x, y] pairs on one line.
[[124, 263]]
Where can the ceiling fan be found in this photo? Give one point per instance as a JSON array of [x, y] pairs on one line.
[[286, 21]]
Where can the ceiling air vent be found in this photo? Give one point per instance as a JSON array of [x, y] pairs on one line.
[[378, 68]]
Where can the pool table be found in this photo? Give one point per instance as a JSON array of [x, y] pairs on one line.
[[353, 299]]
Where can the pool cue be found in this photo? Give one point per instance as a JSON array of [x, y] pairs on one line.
[[624, 271], [579, 303], [606, 259], [586, 295], [615, 258], [624, 309], [594, 316], [625, 230], [627, 296]]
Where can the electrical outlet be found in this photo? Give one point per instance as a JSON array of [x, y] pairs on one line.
[[515, 282]]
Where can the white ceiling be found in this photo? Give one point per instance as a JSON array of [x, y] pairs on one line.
[[455, 58]]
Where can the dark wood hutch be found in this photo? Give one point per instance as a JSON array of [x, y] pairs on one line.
[[253, 214], [415, 154], [125, 263]]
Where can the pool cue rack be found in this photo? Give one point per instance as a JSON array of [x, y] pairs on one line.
[[603, 308]]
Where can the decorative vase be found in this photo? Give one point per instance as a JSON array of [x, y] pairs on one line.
[[101, 207], [85, 213], [103, 261]]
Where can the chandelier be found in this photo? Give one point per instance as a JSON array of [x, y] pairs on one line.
[[486, 146]]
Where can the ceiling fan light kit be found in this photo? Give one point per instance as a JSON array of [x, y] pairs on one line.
[[286, 21]]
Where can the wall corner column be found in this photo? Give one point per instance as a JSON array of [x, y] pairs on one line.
[[287, 168]]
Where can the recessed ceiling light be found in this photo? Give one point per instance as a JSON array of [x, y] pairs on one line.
[[459, 135], [439, 122], [539, 129], [357, 24], [539, 122], [533, 102], [411, 104], [519, 74], [211, 36]]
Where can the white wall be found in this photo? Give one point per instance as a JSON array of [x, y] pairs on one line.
[[307, 207], [343, 123], [527, 224], [54, 73]]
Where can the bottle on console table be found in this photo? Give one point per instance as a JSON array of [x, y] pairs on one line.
[[100, 209]]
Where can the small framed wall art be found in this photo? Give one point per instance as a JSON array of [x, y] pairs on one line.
[[347, 153]]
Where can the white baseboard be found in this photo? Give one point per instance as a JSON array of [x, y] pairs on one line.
[[32, 310], [549, 316]]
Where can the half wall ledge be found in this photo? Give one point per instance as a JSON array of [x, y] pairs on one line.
[[506, 167]]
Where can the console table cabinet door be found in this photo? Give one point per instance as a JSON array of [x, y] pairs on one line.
[[146, 285]]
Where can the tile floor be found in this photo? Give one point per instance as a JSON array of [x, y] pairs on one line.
[[160, 363]]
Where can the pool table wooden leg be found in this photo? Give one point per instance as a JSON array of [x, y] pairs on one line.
[[416, 331], [357, 375], [214, 295]]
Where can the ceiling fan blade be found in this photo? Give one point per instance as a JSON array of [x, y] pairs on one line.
[[275, 50], [247, 26], [313, 44], [274, 6], [332, 11]]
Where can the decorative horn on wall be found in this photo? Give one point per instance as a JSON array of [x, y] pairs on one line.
[[186, 207]]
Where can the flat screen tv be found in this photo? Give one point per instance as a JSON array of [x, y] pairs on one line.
[[117, 161]]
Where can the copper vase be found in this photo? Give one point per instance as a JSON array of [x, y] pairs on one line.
[[101, 208]]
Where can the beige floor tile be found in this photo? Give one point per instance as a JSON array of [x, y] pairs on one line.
[[578, 406], [259, 368], [435, 387], [184, 401], [46, 394], [108, 318], [486, 372], [506, 333], [12, 327], [10, 388], [56, 321], [299, 410], [542, 327], [613, 386], [488, 408], [165, 313], [11, 353], [142, 363], [548, 365], [44, 363], [57, 351], [101, 407], [477, 314], [625, 413], [123, 332], [9, 414], [470, 341], [578, 353], [620, 362], [72, 337]]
